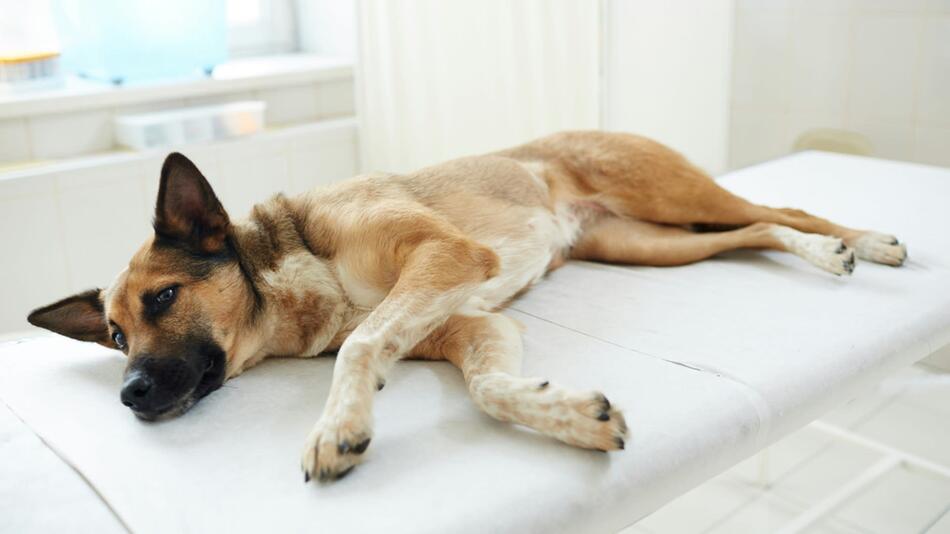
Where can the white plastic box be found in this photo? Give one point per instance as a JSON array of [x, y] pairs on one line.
[[175, 127]]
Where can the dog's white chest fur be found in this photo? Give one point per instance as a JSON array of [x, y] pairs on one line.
[[527, 255]]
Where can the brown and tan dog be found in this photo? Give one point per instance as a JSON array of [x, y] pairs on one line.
[[383, 267]]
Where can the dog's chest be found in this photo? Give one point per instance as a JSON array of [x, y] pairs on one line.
[[302, 290]]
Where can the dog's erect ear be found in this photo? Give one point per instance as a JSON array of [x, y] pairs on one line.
[[80, 317], [187, 210]]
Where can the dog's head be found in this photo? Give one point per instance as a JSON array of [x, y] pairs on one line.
[[176, 309]]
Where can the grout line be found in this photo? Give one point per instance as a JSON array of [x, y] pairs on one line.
[[816, 512], [75, 469], [770, 490], [932, 524], [868, 443]]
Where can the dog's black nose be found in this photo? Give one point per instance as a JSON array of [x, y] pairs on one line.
[[136, 392]]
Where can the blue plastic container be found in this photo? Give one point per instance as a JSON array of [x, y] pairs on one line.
[[128, 41]]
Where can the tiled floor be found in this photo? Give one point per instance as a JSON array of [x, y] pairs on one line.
[[910, 412]]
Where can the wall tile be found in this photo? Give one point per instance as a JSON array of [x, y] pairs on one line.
[[819, 55], [763, 5], [221, 98], [824, 7], [335, 99], [883, 74], [890, 139], [799, 122], [103, 221], [316, 161], [761, 56], [253, 170], [756, 136], [933, 104], [878, 67], [14, 140], [290, 105], [70, 134], [940, 6], [34, 263], [149, 107], [892, 6], [933, 145]]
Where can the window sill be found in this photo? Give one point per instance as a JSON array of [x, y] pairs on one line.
[[232, 77]]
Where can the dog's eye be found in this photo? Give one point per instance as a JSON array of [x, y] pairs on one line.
[[119, 339], [166, 295]]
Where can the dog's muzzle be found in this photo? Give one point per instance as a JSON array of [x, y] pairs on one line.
[[158, 387]]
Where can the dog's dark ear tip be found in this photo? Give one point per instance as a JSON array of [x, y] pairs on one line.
[[173, 156], [35, 317], [176, 160]]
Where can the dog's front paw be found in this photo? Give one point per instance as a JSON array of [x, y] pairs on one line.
[[595, 424], [334, 447], [880, 248]]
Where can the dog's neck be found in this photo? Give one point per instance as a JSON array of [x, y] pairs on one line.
[[300, 307]]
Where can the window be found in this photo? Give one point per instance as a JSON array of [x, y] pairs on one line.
[[259, 27], [255, 27]]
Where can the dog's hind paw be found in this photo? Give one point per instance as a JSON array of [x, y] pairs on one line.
[[582, 419], [880, 248], [825, 252], [333, 449]]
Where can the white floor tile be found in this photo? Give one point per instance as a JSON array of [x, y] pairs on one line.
[[874, 399], [701, 508], [928, 390], [908, 411], [834, 526], [942, 525], [911, 428], [636, 529], [768, 513], [825, 472], [903, 500], [782, 457]]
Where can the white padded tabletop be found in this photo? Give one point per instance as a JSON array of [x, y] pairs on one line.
[[710, 363]]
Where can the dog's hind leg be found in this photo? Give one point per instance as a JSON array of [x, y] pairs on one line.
[[620, 240], [487, 348], [644, 180]]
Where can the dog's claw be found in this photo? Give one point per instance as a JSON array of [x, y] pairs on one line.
[[306, 477], [360, 447]]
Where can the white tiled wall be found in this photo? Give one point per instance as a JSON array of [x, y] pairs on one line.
[[877, 67], [64, 135], [74, 226]]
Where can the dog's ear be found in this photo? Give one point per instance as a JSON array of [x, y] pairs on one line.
[[80, 317], [187, 210]]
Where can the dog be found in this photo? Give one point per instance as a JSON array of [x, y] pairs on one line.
[[383, 266]]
